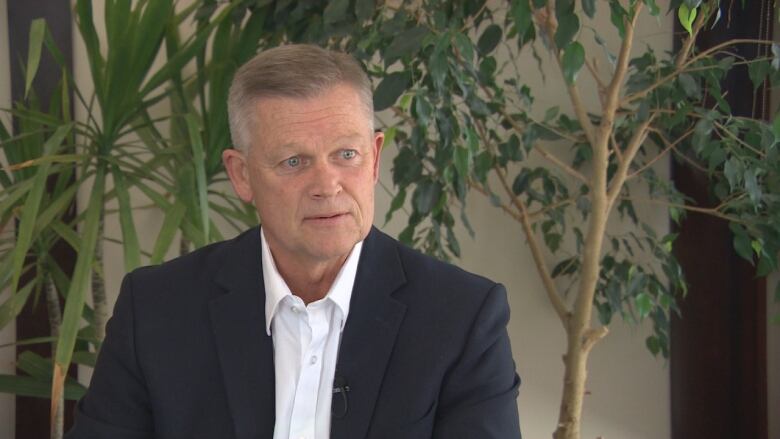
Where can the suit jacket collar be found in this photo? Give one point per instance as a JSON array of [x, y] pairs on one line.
[[244, 348], [370, 333], [246, 351]]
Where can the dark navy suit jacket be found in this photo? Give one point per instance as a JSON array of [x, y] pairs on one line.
[[424, 351]]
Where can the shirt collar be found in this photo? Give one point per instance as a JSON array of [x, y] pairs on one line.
[[276, 288]]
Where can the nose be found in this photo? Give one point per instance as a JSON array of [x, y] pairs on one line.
[[326, 181]]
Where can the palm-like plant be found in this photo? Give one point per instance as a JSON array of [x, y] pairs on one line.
[[100, 156]]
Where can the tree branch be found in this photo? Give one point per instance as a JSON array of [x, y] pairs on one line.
[[536, 252], [556, 161], [747, 146], [683, 68], [479, 188], [595, 74], [592, 336], [668, 147], [712, 211], [546, 154], [689, 42], [616, 84], [622, 171]]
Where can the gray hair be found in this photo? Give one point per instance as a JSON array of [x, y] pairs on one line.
[[295, 71]]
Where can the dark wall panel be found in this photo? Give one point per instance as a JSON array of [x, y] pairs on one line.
[[718, 352]]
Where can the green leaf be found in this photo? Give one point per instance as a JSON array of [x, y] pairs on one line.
[[14, 304], [757, 246], [686, 16], [335, 11], [388, 91], [589, 7], [776, 127], [34, 365], [733, 171], [617, 15], [653, 344], [452, 243], [551, 113], [689, 85], [742, 243], [76, 297], [465, 47], [37, 32], [568, 26], [130, 245], [567, 266], [644, 304], [572, 62], [489, 39], [199, 160], [462, 160], [426, 195], [364, 9], [553, 241], [521, 13], [483, 163], [652, 7], [32, 205], [33, 387], [758, 70], [171, 222], [407, 43], [752, 187], [520, 185], [423, 110], [438, 63], [85, 358], [397, 203]]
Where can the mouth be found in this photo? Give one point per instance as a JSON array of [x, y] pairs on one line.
[[327, 217]]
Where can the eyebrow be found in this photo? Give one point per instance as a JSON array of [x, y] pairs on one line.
[[291, 146]]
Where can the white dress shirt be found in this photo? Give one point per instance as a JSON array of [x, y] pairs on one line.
[[306, 343]]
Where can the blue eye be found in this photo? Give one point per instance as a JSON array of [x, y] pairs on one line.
[[348, 154], [293, 162]]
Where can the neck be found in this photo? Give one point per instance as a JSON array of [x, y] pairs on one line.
[[308, 280]]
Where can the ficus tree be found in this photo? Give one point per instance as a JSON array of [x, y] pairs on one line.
[[465, 122]]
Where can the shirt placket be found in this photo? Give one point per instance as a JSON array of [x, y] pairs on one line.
[[314, 329]]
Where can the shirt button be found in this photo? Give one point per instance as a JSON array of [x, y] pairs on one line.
[[296, 309], [313, 359]]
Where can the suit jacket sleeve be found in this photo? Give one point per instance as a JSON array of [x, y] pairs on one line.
[[117, 403], [479, 395]]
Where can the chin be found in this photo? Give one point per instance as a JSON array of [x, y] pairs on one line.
[[329, 249]]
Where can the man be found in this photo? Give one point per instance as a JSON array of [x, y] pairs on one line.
[[315, 325]]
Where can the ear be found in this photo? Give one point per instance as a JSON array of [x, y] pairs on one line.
[[379, 140], [238, 170]]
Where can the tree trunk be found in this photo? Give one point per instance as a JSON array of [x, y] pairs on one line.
[[55, 320], [99, 301], [184, 246], [575, 375]]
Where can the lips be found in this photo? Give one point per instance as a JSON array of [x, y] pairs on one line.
[[325, 216]]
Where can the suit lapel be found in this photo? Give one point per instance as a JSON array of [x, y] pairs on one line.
[[245, 350], [370, 332]]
